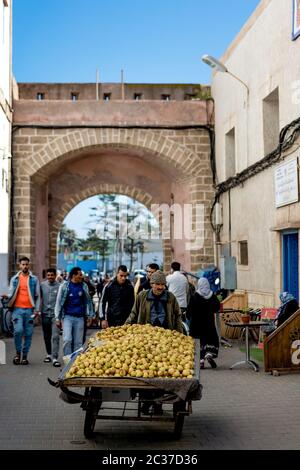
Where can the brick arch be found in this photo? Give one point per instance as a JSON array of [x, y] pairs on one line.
[[61, 149], [136, 193]]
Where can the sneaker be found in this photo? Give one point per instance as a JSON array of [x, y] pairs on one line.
[[202, 364], [210, 360], [56, 363], [47, 358], [24, 361], [17, 359]]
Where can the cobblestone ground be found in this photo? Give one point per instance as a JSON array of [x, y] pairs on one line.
[[240, 409]]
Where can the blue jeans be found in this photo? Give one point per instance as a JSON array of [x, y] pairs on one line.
[[23, 326], [73, 328]]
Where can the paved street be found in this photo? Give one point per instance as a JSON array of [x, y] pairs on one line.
[[240, 409]]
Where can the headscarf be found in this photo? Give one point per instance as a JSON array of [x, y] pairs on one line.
[[204, 289], [285, 297]]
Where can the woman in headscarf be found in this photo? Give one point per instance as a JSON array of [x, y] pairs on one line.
[[201, 313], [289, 305]]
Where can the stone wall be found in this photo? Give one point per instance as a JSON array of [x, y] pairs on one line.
[[56, 168]]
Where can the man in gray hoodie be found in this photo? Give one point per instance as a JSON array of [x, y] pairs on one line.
[[49, 291]]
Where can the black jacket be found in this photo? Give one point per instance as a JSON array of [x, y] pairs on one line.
[[201, 312], [289, 309], [117, 302]]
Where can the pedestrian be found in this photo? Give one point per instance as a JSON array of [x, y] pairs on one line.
[[100, 287], [49, 291], [24, 299], [158, 307], [177, 283], [289, 305], [73, 305], [117, 299], [91, 287], [145, 284], [201, 313]]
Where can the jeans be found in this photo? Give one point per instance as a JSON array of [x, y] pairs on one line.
[[51, 336], [23, 326], [73, 328]]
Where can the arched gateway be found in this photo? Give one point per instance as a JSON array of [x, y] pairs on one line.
[[66, 152]]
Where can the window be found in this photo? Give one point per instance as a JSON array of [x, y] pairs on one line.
[[137, 96], [166, 97], [189, 96], [106, 96], [40, 96], [230, 153], [271, 121], [74, 96], [243, 253]]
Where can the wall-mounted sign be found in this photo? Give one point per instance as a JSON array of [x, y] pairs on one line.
[[286, 183], [296, 19]]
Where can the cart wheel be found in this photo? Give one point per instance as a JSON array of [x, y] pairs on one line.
[[178, 409], [179, 420], [89, 423], [91, 412]]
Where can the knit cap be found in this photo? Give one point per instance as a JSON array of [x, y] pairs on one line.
[[158, 277]]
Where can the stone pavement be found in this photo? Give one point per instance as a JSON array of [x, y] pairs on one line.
[[240, 409]]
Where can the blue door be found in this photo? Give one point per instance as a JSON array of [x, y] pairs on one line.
[[291, 263]]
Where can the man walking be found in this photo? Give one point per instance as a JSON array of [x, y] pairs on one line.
[[49, 291], [177, 283], [117, 299], [73, 304], [24, 299], [157, 306], [145, 285]]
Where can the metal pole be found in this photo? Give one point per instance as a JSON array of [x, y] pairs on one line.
[[97, 82], [122, 85]]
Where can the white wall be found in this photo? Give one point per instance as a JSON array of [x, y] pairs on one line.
[[264, 56], [5, 137]]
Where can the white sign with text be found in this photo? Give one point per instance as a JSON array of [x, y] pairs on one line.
[[286, 183]]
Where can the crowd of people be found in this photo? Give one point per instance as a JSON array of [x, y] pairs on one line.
[[65, 306]]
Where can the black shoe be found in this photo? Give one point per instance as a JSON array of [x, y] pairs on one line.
[[17, 359], [24, 361], [210, 360]]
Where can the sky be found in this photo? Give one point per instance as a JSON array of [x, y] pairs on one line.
[[153, 41]]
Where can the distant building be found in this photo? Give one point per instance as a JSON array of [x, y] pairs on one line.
[[113, 91], [258, 214], [5, 134]]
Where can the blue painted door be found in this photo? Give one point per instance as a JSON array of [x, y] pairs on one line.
[[291, 263]]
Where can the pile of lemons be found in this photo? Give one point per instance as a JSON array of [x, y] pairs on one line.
[[136, 351]]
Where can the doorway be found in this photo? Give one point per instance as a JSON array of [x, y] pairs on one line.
[[290, 263]]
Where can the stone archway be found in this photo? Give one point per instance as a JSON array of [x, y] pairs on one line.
[[136, 193], [54, 168]]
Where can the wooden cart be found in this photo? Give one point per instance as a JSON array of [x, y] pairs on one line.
[[176, 395]]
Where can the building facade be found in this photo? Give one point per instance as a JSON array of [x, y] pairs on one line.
[[257, 123], [5, 134]]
